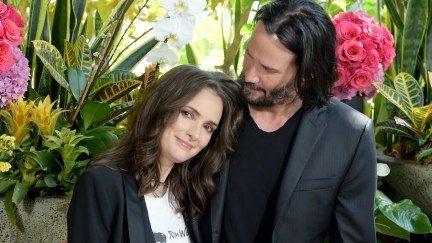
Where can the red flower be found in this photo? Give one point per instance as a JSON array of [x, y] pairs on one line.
[[15, 16], [6, 58], [365, 50], [11, 32]]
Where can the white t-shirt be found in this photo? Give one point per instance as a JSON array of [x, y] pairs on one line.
[[167, 225]]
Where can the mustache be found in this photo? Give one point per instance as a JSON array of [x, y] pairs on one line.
[[250, 85]]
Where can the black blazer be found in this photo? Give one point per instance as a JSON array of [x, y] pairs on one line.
[[328, 185], [105, 207]]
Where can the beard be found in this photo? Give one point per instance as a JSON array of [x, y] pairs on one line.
[[280, 95]]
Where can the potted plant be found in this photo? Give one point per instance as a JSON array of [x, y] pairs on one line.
[[80, 90], [402, 106]]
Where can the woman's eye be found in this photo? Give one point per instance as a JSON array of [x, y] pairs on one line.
[[186, 114], [209, 128]]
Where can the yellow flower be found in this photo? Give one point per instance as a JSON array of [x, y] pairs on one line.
[[5, 166], [7, 144], [45, 117], [17, 118]]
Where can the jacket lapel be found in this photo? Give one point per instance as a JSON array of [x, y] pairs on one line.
[[310, 130], [218, 202], [138, 223]]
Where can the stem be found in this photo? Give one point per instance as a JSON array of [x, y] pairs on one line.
[[94, 72]]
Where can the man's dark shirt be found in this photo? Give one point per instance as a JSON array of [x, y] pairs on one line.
[[253, 181]]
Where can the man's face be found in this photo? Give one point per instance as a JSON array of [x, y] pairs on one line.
[[269, 70]]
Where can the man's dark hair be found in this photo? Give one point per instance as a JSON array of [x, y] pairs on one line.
[[304, 28]]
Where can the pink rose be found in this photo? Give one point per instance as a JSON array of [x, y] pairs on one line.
[[372, 59], [351, 51], [12, 32], [387, 53], [366, 17], [348, 31], [1, 31], [343, 75], [373, 32], [6, 57], [361, 79], [3, 11], [15, 16], [387, 36]]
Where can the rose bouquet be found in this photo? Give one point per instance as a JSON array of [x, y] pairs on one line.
[[14, 69], [365, 50]]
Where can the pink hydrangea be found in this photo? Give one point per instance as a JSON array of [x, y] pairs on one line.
[[365, 50], [13, 83]]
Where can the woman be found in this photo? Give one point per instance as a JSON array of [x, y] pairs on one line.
[[160, 175]]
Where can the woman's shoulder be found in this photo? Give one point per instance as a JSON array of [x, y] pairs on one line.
[[102, 175]]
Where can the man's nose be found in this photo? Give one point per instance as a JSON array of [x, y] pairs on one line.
[[251, 75]]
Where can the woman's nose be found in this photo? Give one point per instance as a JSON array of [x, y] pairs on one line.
[[193, 132]]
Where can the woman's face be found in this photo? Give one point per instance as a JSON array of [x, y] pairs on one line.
[[190, 131]]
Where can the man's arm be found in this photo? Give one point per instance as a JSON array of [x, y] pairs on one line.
[[353, 218]]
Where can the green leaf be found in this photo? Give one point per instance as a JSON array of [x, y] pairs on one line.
[[78, 9], [84, 56], [52, 60], [416, 21], [9, 207], [5, 184], [191, 55], [93, 112], [20, 192], [101, 139], [36, 20], [129, 62], [405, 214], [114, 91], [390, 126], [98, 22], [407, 86], [44, 158], [422, 116], [77, 82], [120, 75], [70, 56], [394, 97], [423, 154], [61, 23], [50, 180], [98, 85], [407, 94], [385, 226]]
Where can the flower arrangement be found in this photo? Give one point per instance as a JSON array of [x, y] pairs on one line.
[[48, 138], [14, 69], [365, 50]]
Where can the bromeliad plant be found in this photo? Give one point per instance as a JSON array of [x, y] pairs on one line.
[[47, 145], [36, 158]]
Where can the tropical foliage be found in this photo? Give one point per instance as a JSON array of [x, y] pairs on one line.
[[85, 66]]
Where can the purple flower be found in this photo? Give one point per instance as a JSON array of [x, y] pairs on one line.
[[13, 83]]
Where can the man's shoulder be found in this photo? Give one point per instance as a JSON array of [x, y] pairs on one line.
[[341, 115]]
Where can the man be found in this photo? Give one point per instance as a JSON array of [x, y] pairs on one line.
[[305, 165]]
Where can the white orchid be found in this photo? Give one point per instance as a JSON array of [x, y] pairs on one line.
[[162, 55], [382, 169], [178, 31], [183, 7]]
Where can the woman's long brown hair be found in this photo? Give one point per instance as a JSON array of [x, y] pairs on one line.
[[191, 182]]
